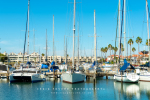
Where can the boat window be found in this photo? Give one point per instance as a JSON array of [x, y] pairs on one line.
[[38, 71], [25, 71], [17, 71], [3, 67]]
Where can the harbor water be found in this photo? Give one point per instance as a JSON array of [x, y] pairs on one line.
[[55, 89]]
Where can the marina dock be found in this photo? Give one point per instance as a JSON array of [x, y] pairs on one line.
[[100, 74]]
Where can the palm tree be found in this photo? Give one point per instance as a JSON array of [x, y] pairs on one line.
[[133, 49], [138, 41], [102, 50], [147, 42], [43, 54], [105, 50], [130, 42], [110, 48], [115, 50], [122, 49]]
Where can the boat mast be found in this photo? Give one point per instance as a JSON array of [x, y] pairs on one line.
[[148, 28], [73, 35], [53, 37], [34, 39], [78, 46], [119, 32], [66, 51], [124, 29], [46, 46], [28, 30], [95, 37], [39, 56]]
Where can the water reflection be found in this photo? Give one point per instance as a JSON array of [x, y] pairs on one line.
[[56, 89], [127, 90], [145, 88], [4, 80]]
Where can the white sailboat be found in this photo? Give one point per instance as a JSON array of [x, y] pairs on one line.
[[125, 74], [28, 73], [72, 76], [144, 74], [94, 68]]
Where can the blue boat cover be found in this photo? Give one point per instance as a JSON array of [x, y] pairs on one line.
[[44, 66], [91, 68], [125, 66], [54, 68], [28, 63], [93, 64], [64, 63], [106, 62], [53, 63]]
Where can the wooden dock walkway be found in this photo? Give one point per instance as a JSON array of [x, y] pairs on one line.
[[99, 74], [4, 75]]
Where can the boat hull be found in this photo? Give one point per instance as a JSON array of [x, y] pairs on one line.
[[145, 78], [130, 78], [73, 77], [25, 78]]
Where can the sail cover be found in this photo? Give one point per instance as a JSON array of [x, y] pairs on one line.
[[126, 65]]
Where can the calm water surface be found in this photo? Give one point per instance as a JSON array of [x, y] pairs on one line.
[[57, 90]]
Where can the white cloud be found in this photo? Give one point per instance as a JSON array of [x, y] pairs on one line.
[[3, 42]]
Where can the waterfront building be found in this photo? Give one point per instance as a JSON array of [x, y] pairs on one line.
[[35, 57]]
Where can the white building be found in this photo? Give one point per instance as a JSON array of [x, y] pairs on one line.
[[35, 57]]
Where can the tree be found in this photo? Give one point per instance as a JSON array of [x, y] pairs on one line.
[[110, 48], [133, 49], [138, 41], [122, 49], [43, 54], [102, 50], [3, 57], [147, 42], [105, 50], [130, 42], [115, 49]]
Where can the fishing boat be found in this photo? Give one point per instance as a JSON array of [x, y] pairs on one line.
[[127, 73], [73, 76]]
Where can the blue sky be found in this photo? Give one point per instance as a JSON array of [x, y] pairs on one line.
[[13, 15]]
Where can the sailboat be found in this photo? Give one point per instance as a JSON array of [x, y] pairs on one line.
[[144, 74], [45, 65], [72, 76], [95, 67], [28, 73], [127, 71]]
